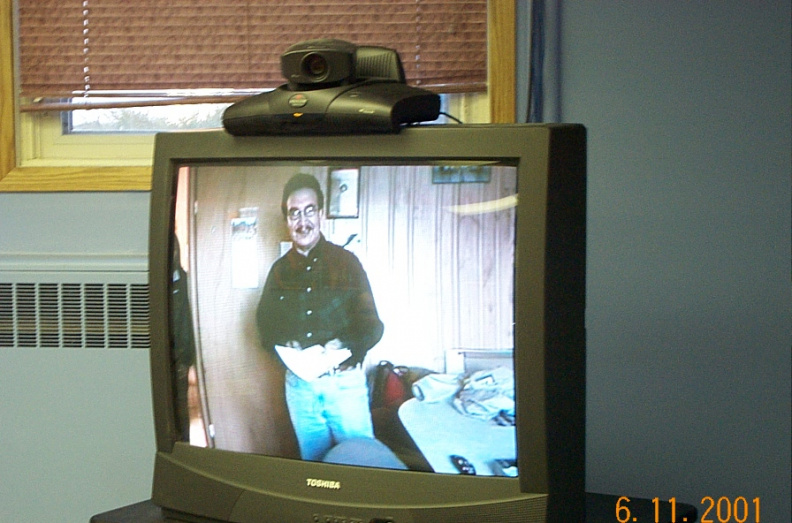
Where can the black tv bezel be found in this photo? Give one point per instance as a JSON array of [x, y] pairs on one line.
[[549, 332]]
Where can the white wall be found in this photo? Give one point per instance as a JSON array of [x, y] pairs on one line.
[[688, 111], [77, 428], [77, 436]]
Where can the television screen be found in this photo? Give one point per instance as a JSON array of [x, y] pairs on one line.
[[370, 328]]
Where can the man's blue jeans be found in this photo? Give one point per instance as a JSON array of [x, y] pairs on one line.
[[328, 410]]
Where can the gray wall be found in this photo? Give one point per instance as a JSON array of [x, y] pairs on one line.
[[687, 105], [688, 111]]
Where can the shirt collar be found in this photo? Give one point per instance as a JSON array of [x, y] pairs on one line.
[[314, 253]]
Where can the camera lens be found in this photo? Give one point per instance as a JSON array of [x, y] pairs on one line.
[[315, 66]]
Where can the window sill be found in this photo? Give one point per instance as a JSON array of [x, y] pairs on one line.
[[76, 179]]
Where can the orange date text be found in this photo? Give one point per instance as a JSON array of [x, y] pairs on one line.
[[714, 510]]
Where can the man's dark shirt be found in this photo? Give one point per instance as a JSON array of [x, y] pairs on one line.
[[316, 298]]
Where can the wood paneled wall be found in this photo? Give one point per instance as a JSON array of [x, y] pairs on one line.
[[442, 279]]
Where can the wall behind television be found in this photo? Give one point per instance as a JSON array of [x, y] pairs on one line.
[[688, 111]]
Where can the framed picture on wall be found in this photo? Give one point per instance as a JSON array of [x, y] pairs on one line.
[[343, 193], [461, 174]]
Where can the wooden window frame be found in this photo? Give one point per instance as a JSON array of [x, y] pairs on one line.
[[501, 91]]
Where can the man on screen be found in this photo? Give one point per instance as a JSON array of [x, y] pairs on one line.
[[318, 313]]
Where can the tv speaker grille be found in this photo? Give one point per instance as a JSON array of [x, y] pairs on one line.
[[518, 511], [74, 315]]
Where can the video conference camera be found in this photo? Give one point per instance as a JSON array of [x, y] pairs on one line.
[[318, 64], [334, 87]]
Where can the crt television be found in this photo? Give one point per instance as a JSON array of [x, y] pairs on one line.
[[472, 238]]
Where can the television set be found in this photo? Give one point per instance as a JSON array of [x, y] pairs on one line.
[[472, 239]]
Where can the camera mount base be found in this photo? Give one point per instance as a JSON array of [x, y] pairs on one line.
[[359, 108]]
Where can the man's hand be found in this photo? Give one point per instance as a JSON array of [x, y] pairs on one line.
[[334, 344]]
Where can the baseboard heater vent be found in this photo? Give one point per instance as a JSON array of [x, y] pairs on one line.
[[74, 315]]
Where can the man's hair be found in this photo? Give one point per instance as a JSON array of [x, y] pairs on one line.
[[301, 181]]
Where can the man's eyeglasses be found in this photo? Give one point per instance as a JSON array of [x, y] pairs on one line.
[[309, 212]]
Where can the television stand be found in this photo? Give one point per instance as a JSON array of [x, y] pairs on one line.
[[600, 508]]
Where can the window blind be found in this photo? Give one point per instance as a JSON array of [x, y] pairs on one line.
[[74, 48]]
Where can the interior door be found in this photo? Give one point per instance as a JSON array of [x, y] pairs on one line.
[[237, 233]]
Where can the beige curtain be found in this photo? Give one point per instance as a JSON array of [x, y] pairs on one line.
[[81, 47]]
